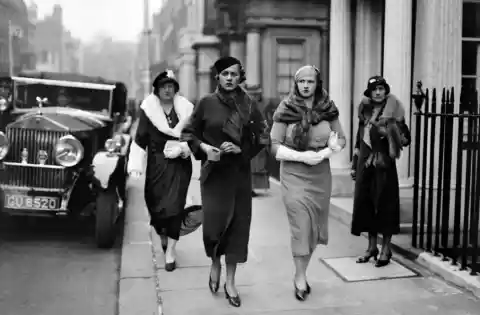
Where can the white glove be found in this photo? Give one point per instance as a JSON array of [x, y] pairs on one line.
[[287, 154], [312, 158], [333, 142], [135, 174], [325, 153], [307, 157], [172, 153]]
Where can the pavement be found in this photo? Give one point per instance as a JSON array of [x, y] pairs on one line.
[[51, 266], [339, 285]]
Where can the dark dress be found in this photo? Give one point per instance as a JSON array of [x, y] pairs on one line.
[[166, 180], [376, 205], [226, 185]]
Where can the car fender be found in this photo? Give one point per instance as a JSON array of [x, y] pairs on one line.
[[104, 165]]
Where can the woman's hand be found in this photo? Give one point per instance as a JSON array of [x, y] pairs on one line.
[[311, 158], [135, 174], [353, 174], [213, 153], [229, 147], [172, 153]]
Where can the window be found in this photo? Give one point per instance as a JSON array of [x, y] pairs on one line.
[[471, 45], [44, 56], [290, 57]]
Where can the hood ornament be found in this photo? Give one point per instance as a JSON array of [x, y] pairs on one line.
[[41, 101]]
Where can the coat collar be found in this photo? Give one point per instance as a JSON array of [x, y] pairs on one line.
[[153, 110]]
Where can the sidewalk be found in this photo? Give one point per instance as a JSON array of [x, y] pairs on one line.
[[265, 281]]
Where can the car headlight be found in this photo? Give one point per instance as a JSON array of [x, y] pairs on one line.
[[4, 145], [3, 104], [114, 144], [68, 151]]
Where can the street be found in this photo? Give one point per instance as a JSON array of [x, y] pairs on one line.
[[52, 267], [339, 285]]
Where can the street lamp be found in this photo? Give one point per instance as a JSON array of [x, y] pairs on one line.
[[146, 33]]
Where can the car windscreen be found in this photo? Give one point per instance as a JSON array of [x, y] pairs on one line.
[[74, 97]]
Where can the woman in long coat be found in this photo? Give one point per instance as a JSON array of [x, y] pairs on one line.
[[226, 131], [305, 133], [382, 133], [163, 114]]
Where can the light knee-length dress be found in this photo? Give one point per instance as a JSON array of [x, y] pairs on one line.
[[306, 190]]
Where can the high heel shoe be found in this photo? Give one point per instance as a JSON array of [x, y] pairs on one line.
[[301, 295], [213, 284], [309, 290], [233, 300], [366, 258], [383, 262], [171, 266]]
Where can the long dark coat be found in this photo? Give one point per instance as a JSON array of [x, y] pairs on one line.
[[376, 206], [166, 180], [226, 185]]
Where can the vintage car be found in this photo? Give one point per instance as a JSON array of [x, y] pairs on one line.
[[63, 149]]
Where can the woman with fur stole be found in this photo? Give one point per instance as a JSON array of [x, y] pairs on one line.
[[168, 169]]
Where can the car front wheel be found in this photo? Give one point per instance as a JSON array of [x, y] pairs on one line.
[[107, 209]]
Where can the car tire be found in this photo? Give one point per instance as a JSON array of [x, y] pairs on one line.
[[105, 218]]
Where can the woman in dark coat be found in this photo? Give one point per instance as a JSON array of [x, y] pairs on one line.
[[163, 114], [382, 133], [226, 131]]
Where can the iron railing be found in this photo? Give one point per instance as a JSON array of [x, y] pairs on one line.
[[447, 176]]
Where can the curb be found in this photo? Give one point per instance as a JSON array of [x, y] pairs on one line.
[[435, 264], [138, 282]]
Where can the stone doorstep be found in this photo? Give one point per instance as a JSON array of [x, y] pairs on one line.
[[341, 210]]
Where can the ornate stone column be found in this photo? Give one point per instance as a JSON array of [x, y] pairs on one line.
[[397, 66], [237, 47], [207, 53], [438, 55], [368, 49], [252, 62], [340, 86], [187, 75]]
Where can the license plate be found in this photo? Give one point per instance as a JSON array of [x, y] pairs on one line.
[[17, 201]]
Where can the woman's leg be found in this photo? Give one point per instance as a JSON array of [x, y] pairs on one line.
[[172, 232], [386, 252], [372, 250], [230, 280], [215, 274], [301, 265]]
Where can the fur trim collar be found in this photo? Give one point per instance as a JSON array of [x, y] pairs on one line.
[[153, 110]]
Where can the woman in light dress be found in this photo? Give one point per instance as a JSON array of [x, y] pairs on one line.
[[305, 133]]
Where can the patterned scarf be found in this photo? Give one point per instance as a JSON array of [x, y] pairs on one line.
[[240, 105], [293, 110]]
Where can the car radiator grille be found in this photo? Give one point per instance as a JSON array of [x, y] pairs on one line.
[[48, 176]]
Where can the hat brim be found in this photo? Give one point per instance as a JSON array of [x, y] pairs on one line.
[[159, 82], [368, 92]]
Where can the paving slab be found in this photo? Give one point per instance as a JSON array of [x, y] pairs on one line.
[[349, 270], [265, 281]]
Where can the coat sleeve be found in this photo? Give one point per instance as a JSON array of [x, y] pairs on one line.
[[261, 138], [356, 147], [138, 150], [193, 131]]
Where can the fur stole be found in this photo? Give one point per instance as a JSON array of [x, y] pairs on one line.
[[152, 108]]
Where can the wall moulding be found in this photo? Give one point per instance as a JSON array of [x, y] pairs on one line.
[[264, 22]]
